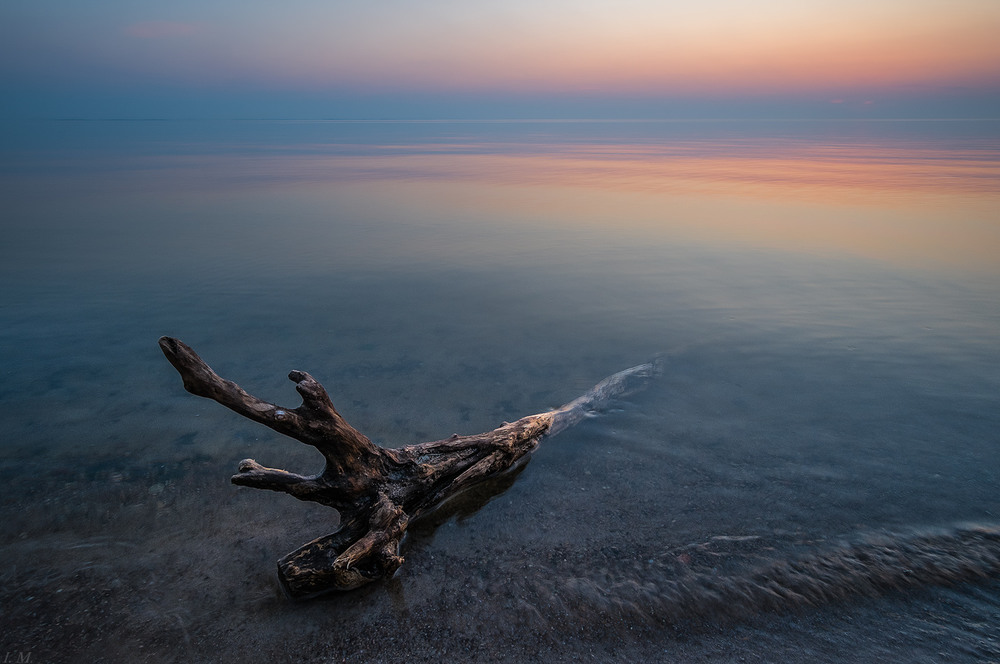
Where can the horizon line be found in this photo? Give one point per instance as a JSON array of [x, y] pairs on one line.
[[502, 120]]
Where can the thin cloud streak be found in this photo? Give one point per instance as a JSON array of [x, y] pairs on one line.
[[162, 29]]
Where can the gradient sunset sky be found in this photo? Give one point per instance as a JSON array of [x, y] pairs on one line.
[[490, 59]]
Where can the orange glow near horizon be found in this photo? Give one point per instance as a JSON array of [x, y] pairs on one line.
[[720, 67], [635, 47], [744, 53]]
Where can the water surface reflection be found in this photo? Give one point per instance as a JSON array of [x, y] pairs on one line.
[[826, 296]]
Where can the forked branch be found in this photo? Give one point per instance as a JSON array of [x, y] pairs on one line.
[[376, 490]]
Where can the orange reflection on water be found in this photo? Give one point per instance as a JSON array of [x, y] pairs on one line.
[[800, 172], [928, 207], [922, 205]]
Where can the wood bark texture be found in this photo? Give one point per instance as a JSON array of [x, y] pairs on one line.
[[376, 490]]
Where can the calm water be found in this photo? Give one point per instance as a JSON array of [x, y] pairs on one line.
[[826, 297]]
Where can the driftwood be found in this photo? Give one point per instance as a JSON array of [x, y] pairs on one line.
[[376, 490]]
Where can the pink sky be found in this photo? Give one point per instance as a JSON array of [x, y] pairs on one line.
[[820, 49]]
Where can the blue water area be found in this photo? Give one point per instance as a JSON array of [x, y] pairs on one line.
[[824, 298]]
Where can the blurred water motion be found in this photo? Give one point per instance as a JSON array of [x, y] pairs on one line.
[[826, 295]]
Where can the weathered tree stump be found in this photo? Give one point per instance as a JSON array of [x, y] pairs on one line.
[[376, 490]]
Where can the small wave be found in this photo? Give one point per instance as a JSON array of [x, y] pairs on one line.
[[872, 567]]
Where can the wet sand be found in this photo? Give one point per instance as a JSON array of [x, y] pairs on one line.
[[164, 561]]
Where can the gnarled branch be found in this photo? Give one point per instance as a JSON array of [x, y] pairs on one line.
[[376, 490]]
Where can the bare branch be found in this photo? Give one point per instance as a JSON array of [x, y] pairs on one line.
[[316, 422], [377, 491], [254, 475]]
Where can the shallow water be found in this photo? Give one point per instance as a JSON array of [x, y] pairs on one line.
[[826, 298]]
